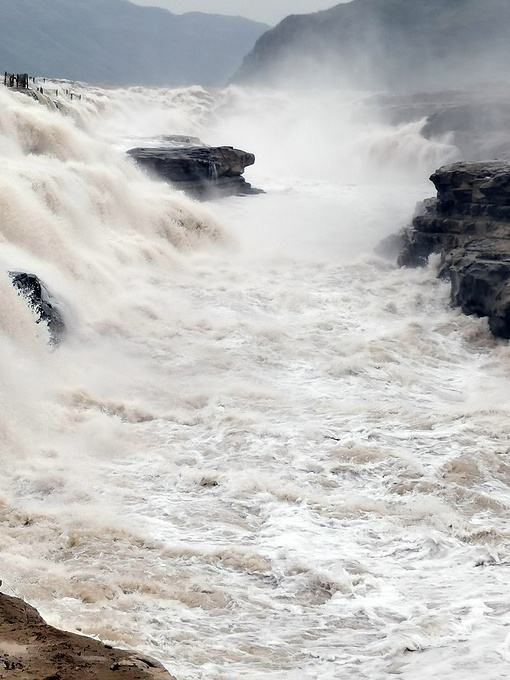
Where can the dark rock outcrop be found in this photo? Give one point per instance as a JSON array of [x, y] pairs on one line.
[[41, 301], [202, 172], [386, 44], [30, 648], [468, 224]]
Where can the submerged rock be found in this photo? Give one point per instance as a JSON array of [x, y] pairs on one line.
[[30, 648], [468, 224], [201, 171], [41, 301]]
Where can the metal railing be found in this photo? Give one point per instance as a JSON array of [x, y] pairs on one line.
[[21, 81]]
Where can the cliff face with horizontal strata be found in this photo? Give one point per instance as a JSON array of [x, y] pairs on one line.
[[468, 224]]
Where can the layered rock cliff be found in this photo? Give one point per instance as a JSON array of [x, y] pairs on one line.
[[379, 44], [468, 224]]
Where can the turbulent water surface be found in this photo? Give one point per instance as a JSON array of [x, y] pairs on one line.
[[261, 451]]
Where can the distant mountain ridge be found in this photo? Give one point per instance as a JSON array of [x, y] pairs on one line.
[[119, 42], [395, 44]]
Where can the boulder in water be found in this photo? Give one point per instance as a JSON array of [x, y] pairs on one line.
[[41, 301], [201, 171]]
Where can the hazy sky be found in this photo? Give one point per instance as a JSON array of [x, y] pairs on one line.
[[268, 11]]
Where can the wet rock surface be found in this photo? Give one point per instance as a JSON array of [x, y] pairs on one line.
[[201, 171], [30, 648], [468, 224], [42, 302]]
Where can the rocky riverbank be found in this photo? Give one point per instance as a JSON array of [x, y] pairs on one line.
[[468, 224], [30, 648]]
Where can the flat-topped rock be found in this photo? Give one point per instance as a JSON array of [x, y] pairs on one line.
[[468, 224], [201, 171]]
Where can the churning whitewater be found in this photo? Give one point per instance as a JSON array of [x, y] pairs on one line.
[[262, 451]]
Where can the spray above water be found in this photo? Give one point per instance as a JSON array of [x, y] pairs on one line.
[[373, 45], [257, 452]]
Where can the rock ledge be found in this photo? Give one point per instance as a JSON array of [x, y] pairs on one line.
[[469, 225], [201, 171]]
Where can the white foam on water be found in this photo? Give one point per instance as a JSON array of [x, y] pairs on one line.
[[261, 451]]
